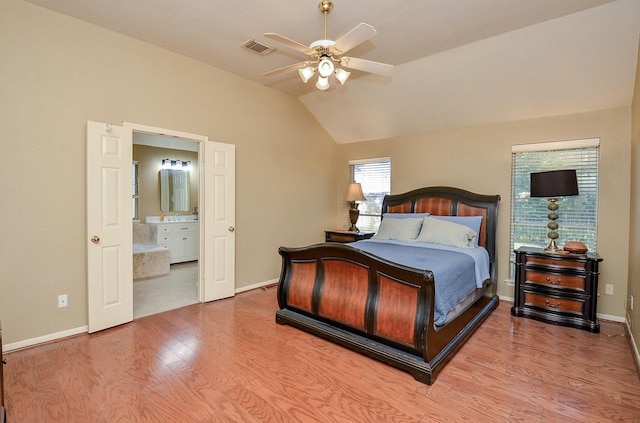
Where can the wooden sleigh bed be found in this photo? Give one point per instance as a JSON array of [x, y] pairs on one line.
[[384, 309]]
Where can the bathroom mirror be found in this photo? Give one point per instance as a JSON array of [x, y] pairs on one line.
[[174, 190]]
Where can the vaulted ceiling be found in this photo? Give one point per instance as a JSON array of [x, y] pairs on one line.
[[457, 63]]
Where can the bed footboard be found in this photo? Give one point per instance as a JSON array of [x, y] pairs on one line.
[[371, 305]]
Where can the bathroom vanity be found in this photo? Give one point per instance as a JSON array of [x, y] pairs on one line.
[[182, 238]]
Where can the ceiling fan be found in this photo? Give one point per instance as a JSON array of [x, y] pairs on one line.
[[325, 54]]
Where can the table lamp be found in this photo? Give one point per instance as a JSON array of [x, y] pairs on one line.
[[553, 184], [354, 194]]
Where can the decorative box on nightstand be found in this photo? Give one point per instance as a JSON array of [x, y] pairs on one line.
[[346, 236], [557, 288]]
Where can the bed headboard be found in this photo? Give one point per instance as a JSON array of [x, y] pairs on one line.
[[450, 201]]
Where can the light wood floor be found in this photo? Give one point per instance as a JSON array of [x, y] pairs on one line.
[[228, 361]]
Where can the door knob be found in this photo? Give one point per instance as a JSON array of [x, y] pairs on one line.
[[231, 229], [95, 239]]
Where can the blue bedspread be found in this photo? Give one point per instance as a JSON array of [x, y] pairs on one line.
[[457, 271]]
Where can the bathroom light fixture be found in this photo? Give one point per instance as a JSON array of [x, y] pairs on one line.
[[176, 165]]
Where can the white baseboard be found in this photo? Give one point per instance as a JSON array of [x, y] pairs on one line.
[[256, 285], [611, 317], [45, 338], [503, 298], [634, 345]]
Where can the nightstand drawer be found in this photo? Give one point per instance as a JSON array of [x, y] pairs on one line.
[[555, 280], [555, 261], [562, 305]]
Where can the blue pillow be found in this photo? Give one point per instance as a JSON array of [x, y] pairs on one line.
[[472, 222]]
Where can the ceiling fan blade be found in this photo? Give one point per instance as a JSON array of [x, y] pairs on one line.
[[286, 69], [294, 45], [358, 35], [367, 66]]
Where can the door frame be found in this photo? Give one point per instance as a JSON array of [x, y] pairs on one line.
[[216, 266], [201, 140]]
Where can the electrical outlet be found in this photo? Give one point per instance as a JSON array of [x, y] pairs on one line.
[[608, 289], [62, 300]]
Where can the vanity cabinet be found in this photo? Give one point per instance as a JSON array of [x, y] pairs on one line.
[[181, 238]]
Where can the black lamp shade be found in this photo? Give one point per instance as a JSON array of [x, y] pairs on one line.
[[555, 183]]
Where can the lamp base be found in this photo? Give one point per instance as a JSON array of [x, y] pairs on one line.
[[552, 247], [354, 213]]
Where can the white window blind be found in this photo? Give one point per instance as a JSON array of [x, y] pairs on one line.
[[578, 214], [375, 177]]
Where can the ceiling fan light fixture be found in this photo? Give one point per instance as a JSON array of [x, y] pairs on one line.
[[326, 55], [342, 75], [323, 83], [306, 73], [325, 67]]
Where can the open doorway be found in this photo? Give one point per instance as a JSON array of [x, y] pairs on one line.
[[109, 220], [166, 253]]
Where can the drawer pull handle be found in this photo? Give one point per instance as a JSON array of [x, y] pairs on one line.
[[556, 305], [554, 282]]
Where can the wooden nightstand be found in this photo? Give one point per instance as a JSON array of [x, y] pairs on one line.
[[346, 236], [561, 289]]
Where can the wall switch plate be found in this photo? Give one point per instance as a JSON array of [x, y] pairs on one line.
[[62, 300], [631, 302], [608, 289]]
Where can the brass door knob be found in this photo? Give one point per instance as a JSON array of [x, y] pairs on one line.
[[231, 229], [95, 239]]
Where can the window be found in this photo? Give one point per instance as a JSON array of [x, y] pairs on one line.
[[578, 214], [134, 188], [375, 177]]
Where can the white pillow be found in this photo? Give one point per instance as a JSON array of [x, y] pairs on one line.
[[406, 229], [442, 232], [473, 222]]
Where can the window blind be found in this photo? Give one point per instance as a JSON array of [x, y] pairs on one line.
[[578, 214], [375, 177]]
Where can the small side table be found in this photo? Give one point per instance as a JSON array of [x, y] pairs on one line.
[[346, 236], [561, 289]]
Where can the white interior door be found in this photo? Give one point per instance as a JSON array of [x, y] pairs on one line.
[[219, 221], [109, 229]]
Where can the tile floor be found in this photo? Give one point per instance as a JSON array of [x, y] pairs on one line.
[[157, 294]]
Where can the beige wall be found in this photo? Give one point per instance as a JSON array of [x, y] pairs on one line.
[[57, 73], [479, 159], [633, 316], [149, 162]]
